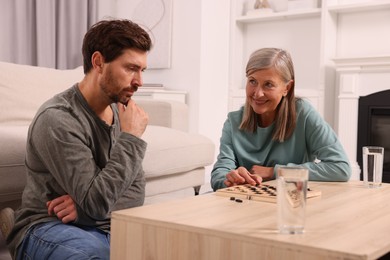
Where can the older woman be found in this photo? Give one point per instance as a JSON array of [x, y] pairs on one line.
[[275, 129]]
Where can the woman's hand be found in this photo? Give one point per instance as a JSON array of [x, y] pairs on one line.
[[241, 176], [266, 173], [63, 207]]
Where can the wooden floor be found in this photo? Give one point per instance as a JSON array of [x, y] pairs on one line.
[[4, 255]]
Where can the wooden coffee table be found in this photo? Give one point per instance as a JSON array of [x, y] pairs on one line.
[[348, 221]]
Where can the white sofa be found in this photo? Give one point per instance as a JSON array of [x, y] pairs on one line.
[[174, 160]]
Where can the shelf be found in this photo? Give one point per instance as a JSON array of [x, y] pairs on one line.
[[360, 7], [383, 61], [298, 13]]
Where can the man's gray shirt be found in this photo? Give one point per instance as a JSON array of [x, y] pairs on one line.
[[70, 150]]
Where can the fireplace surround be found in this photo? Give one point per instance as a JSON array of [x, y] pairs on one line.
[[358, 78], [374, 127]]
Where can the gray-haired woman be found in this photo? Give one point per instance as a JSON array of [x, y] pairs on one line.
[[275, 129]]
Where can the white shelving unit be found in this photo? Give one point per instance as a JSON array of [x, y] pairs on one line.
[[357, 6], [342, 42], [281, 15]]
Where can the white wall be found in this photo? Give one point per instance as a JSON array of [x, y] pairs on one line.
[[214, 68]]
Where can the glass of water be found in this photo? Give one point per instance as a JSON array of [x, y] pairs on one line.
[[291, 199], [372, 166]]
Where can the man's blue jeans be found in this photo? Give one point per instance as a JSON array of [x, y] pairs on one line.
[[55, 240]]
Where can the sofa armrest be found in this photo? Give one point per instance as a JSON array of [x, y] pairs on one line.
[[172, 114]]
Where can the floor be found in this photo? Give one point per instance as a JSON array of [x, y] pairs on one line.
[[4, 255]]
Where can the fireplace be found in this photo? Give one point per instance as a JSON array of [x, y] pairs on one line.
[[361, 94], [374, 127]]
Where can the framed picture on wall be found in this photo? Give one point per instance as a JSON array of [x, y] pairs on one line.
[[156, 17]]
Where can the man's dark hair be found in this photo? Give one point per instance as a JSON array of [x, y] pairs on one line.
[[111, 38]]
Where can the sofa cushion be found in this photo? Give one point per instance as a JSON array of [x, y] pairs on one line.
[[171, 151], [13, 146], [24, 88], [168, 113]]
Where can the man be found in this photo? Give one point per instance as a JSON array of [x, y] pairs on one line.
[[84, 152]]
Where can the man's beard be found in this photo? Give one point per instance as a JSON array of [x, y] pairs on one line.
[[124, 99], [115, 98], [120, 97]]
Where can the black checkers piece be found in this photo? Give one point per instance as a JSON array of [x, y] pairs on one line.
[[236, 200]]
